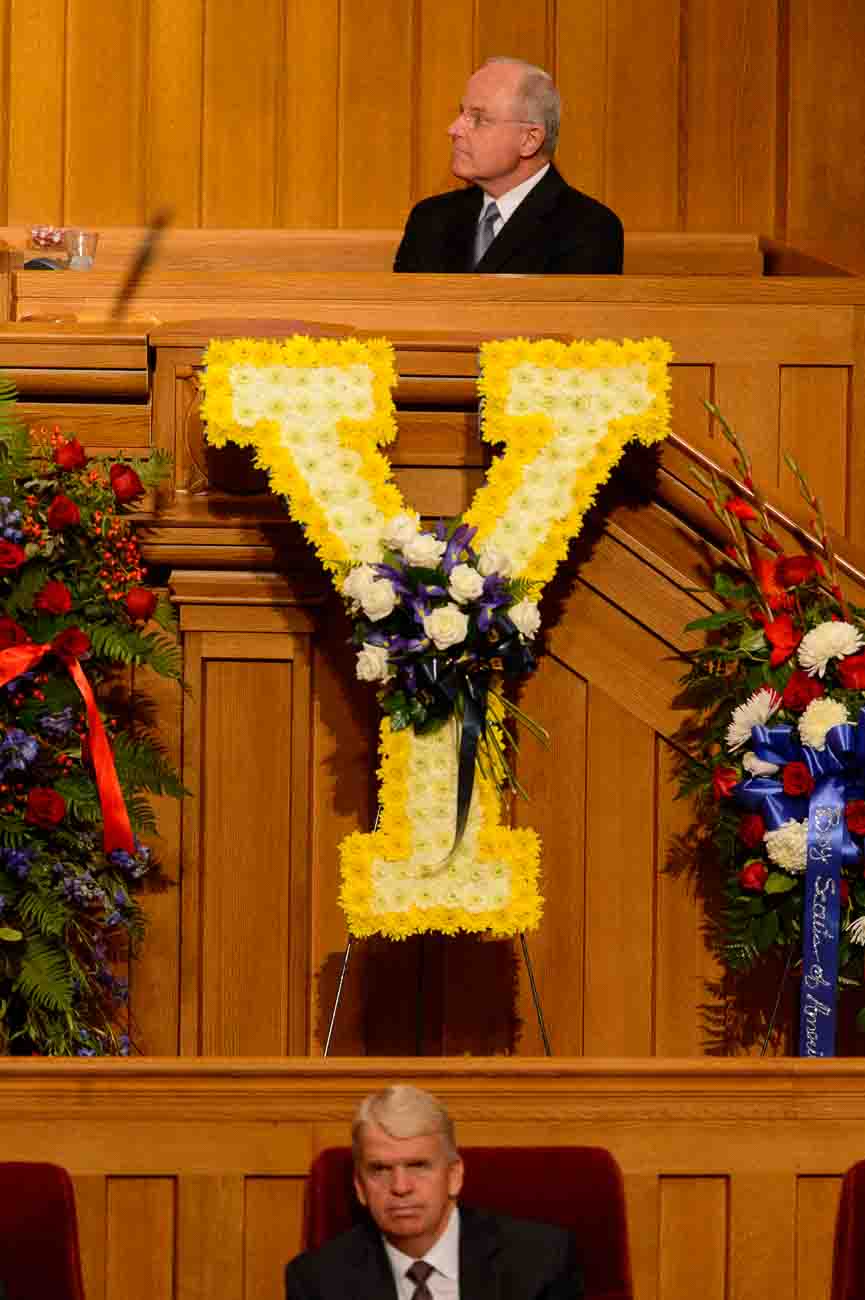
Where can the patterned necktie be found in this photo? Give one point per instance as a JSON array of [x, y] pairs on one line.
[[418, 1273], [485, 235]]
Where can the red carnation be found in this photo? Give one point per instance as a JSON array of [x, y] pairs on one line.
[[783, 638], [801, 690], [71, 644], [739, 507], [723, 780], [12, 556], [62, 513], [44, 807], [797, 779], [855, 815], [125, 483], [69, 454], [752, 828], [753, 876], [11, 633], [792, 570], [851, 671], [140, 604], [54, 598]]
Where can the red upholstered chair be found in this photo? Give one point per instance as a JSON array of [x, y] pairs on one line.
[[848, 1264], [579, 1188], [39, 1257]]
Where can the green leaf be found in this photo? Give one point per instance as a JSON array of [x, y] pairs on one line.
[[751, 641], [9, 935], [767, 931], [722, 618], [779, 883]]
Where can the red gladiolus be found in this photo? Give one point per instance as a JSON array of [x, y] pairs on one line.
[[801, 690], [12, 556], [44, 807], [54, 598], [783, 638], [62, 513], [11, 633], [753, 876], [792, 570], [797, 779], [723, 781], [69, 454], [71, 644], [125, 483], [739, 507], [851, 671], [752, 828], [140, 604], [854, 812]]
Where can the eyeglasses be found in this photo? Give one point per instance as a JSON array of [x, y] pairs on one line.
[[475, 120]]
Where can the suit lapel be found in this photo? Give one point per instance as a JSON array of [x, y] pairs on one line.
[[479, 1246], [526, 226], [369, 1275], [459, 235]]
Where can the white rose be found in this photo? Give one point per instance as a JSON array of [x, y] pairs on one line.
[[424, 550], [446, 626], [399, 531], [378, 599], [525, 617], [465, 583], [372, 663], [492, 560], [357, 581]]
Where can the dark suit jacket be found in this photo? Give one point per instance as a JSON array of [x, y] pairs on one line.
[[500, 1259], [556, 230]]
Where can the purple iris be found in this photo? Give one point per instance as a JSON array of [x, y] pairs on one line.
[[17, 751], [459, 542]]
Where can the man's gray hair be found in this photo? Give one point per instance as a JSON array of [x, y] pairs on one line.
[[540, 101], [404, 1112]]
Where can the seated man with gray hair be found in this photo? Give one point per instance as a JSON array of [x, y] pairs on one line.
[[518, 216], [420, 1244]]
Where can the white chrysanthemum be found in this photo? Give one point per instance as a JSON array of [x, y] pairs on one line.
[[758, 766], [787, 847], [819, 716], [856, 930], [827, 641], [754, 712]]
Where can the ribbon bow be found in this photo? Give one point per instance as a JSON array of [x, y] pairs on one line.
[[18, 659]]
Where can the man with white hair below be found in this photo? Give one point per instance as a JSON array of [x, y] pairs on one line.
[[518, 216], [420, 1244]]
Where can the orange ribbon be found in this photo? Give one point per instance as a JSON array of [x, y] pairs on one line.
[[116, 830]]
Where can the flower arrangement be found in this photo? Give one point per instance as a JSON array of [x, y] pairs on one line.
[[72, 802], [777, 749], [441, 615]]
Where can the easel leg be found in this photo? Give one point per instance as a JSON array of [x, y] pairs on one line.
[[340, 983], [548, 1051]]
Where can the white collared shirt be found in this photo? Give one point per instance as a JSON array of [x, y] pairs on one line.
[[507, 204], [444, 1256]]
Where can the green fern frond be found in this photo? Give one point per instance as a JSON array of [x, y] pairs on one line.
[[46, 913], [154, 468], [127, 646], [141, 766], [165, 616], [44, 976]]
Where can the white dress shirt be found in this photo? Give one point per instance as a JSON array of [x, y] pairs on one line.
[[444, 1256], [507, 204]]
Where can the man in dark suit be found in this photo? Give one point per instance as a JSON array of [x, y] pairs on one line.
[[420, 1245], [518, 216]]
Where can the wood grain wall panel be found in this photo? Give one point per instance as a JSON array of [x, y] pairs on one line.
[[443, 68], [243, 62], [210, 1235], [37, 78], [376, 104], [106, 112], [692, 1250], [620, 887], [91, 1207], [748, 395], [642, 164], [582, 76], [247, 704], [816, 1208], [730, 55], [307, 133], [273, 1234], [826, 131], [140, 1241], [173, 129], [691, 388], [815, 430], [762, 1260], [520, 31]]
